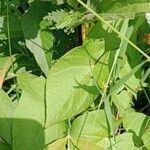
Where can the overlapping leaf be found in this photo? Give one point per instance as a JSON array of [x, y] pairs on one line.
[[37, 39], [6, 115], [70, 85], [123, 141], [30, 115], [91, 126]]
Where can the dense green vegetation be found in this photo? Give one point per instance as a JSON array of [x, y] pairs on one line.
[[74, 75]]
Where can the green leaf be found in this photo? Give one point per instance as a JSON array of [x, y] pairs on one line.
[[83, 145], [47, 40], [6, 115], [91, 126], [38, 41], [122, 101], [101, 31], [4, 146], [135, 123], [123, 80], [132, 83], [123, 142], [126, 30], [14, 26], [2, 32], [29, 114], [55, 132], [66, 20], [126, 7], [70, 85], [73, 3], [146, 139], [58, 145]]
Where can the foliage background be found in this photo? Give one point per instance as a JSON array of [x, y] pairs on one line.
[[74, 75]]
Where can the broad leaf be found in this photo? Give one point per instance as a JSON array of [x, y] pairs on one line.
[[82, 145], [123, 142], [70, 85], [6, 115], [101, 31], [122, 101], [146, 139], [58, 145], [55, 132], [29, 114], [92, 126], [135, 123], [37, 39], [85, 144]]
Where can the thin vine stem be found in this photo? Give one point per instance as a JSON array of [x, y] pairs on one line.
[[111, 27]]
